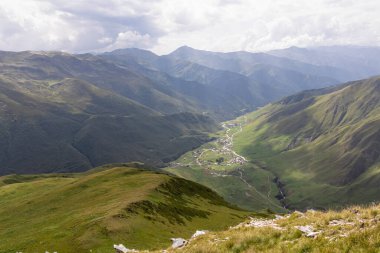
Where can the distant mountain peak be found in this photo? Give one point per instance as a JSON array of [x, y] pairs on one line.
[[183, 50], [185, 47]]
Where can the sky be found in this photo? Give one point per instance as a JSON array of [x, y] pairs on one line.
[[163, 25]]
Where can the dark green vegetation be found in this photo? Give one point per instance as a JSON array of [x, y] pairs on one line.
[[114, 204], [324, 145]]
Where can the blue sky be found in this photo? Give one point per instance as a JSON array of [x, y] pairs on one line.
[[164, 25]]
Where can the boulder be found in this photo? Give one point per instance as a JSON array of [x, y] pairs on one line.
[[178, 243], [198, 233], [122, 249], [308, 230]]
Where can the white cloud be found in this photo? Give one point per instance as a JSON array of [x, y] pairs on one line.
[[163, 25], [130, 39]]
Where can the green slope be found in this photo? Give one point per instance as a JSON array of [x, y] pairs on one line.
[[323, 145], [115, 204]]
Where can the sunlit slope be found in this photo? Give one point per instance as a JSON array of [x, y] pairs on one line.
[[354, 229], [324, 145], [94, 210]]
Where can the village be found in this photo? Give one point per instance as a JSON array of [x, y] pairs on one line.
[[217, 154]]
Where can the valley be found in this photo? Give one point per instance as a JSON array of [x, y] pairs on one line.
[[295, 153], [192, 142], [216, 164], [204, 126]]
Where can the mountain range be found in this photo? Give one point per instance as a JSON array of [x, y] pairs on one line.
[[64, 112], [207, 135]]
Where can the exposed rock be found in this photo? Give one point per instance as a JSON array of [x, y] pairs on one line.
[[299, 213], [217, 240], [279, 217], [260, 223], [198, 233], [340, 223], [178, 242], [308, 230], [122, 249]]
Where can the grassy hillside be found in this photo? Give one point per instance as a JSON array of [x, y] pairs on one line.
[[323, 145], [355, 229], [115, 204]]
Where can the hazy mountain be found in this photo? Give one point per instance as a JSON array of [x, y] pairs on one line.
[[358, 62], [322, 144], [246, 63], [223, 99], [223, 94], [229, 84]]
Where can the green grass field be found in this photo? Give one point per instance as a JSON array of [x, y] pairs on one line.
[[77, 213]]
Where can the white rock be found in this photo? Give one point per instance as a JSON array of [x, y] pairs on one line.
[[340, 223], [260, 223], [178, 242], [307, 230], [198, 233], [122, 249], [299, 213]]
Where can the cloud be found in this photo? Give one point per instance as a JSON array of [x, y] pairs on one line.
[[130, 39], [163, 25]]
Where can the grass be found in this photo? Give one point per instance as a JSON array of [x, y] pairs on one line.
[[358, 231], [92, 211]]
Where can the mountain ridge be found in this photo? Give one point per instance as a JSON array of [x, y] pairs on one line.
[[91, 211]]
